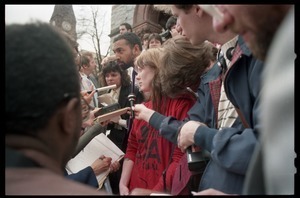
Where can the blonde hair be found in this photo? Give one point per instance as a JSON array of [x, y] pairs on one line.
[[183, 64]]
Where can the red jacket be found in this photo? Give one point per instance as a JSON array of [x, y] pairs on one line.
[[151, 153]]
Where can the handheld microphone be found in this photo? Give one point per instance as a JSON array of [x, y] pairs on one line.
[[131, 97]]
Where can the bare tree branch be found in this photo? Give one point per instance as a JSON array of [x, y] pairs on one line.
[[92, 27]]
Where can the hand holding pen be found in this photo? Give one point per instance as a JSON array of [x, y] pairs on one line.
[[88, 95]]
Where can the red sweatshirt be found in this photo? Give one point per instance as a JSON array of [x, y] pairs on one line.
[[151, 153]]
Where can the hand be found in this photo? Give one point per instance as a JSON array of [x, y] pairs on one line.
[[88, 97], [186, 135], [115, 119], [102, 164], [210, 191], [121, 122], [103, 124], [90, 121], [141, 112], [174, 32], [123, 189], [141, 191], [177, 30], [95, 110], [115, 166]]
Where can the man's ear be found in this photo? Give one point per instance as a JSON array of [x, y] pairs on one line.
[[70, 116], [199, 11], [136, 50], [84, 65]]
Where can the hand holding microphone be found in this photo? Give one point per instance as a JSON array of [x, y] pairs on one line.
[[141, 112]]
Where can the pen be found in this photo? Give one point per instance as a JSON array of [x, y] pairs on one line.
[[192, 92]]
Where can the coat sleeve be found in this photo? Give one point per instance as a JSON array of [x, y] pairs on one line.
[[85, 176]]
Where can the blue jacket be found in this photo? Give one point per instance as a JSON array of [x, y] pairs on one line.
[[231, 148], [85, 176]]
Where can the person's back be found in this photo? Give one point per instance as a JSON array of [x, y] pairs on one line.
[[271, 174], [41, 181], [43, 115]]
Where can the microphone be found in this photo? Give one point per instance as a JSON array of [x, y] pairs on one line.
[[131, 97], [88, 136], [192, 92]]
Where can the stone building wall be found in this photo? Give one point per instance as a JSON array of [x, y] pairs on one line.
[[143, 18], [120, 14]]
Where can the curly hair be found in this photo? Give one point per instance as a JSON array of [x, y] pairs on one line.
[[113, 66]]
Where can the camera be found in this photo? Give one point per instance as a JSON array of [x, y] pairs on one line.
[[197, 160], [166, 34]]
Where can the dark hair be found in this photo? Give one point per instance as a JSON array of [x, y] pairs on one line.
[[131, 38], [171, 22], [113, 66], [40, 75], [185, 7], [127, 25], [155, 36]]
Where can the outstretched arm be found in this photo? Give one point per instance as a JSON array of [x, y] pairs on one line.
[[125, 177]]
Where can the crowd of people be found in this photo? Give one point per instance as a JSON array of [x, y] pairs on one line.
[[225, 91]]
